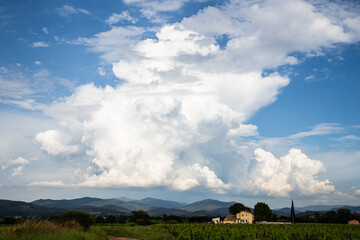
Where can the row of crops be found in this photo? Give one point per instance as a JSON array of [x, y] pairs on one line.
[[264, 232]]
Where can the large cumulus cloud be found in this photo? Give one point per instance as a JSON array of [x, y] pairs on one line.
[[187, 96]]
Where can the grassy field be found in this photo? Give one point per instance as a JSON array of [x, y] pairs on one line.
[[46, 230], [152, 232]]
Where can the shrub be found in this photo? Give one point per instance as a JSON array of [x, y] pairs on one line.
[[84, 219], [45, 226]]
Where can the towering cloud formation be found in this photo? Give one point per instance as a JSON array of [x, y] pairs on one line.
[[187, 96]]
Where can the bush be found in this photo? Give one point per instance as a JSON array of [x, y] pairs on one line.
[[140, 217], [84, 219]]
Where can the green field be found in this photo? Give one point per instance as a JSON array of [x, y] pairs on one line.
[[265, 232], [44, 230], [190, 232]]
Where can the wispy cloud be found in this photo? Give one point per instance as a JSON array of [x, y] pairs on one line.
[[39, 44], [67, 10], [348, 138], [310, 78], [124, 16], [47, 183], [318, 130], [45, 30]]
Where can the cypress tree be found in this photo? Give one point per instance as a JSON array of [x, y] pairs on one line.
[[292, 212]]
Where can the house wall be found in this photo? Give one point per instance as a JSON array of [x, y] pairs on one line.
[[245, 216]]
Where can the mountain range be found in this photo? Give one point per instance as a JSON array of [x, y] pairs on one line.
[[153, 206]]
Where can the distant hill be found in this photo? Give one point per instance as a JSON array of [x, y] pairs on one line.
[[285, 211], [159, 211], [49, 203], [320, 207], [206, 205], [315, 208], [352, 208], [155, 207], [78, 202], [159, 203], [22, 209]]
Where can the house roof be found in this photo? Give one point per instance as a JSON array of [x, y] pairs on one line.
[[230, 218]]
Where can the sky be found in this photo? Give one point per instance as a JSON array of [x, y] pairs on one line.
[[182, 100]]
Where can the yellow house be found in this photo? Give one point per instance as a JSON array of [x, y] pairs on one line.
[[245, 217]]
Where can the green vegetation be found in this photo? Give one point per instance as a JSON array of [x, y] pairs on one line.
[[263, 212], [82, 218], [44, 230], [264, 232], [237, 207], [151, 232]]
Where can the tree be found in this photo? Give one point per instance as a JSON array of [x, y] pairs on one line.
[[343, 215], [140, 217], [262, 212], [111, 219], [237, 207]]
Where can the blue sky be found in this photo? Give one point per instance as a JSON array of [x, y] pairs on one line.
[[232, 100]]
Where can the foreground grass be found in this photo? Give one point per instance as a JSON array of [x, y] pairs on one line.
[[45, 230], [152, 232]]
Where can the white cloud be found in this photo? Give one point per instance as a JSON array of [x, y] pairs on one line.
[[348, 138], [67, 10], [83, 11], [292, 172], [124, 16], [321, 129], [114, 44], [159, 5], [101, 71], [243, 131], [15, 87], [4, 70], [45, 30], [48, 183], [357, 192], [310, 78], [65, 82], [55, 142], [186, 97], [37, 63], [17, 171], [16, 165], [39, 44]]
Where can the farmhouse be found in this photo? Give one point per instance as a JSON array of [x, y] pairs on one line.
[[356, 222], [241, 217]]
